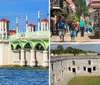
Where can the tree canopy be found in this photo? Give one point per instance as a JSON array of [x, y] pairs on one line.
[[81, 9], [68, 50]]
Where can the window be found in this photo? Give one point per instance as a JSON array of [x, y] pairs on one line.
[[0, 35], [45, 26], [52, 66], [84, 68], [94, 68], [69, 68], [89, 62], [4, 35], [62, 73], [73, 62], [61, 63], [78, 68]]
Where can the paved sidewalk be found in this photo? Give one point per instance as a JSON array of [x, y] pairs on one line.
[[88, 37], [65, 79]]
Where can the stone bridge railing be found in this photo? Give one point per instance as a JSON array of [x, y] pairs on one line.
[[30, 35]]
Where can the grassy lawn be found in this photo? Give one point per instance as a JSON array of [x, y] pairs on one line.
[[85, 80]]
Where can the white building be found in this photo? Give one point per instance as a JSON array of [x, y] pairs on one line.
[[4, 27], [44, 24], [31, 27]]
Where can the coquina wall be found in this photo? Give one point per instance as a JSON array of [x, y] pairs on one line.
[[62, 65]]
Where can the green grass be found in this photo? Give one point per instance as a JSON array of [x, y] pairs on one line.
[[85, 80]]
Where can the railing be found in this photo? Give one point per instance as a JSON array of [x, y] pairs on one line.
[[30, 35], [65, 7], [57, 3], [95, 1]]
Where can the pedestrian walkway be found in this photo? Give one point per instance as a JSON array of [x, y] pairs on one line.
[[88, 37], [65, 79]]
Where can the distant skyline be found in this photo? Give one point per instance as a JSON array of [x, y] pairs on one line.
[[11, 9], [86, 47]]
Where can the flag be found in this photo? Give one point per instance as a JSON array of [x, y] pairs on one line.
[[72, 5], [69, 1]]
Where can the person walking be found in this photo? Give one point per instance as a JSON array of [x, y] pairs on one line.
[[52, 27], [89, 28], [77, 28], [61, 24], [73, 31], [82, 27]]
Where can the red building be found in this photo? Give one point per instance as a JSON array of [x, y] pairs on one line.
[[45, 20], [31, 27], [94, 3], [12, 32]]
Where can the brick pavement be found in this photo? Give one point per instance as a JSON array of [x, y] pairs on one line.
[[88, 37]]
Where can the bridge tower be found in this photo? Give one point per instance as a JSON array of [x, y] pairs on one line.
[[31, 27], [44, 24], [4, 27], [4, 43]]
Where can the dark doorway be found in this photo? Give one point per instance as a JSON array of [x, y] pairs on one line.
[[74, 70], [89, 70]]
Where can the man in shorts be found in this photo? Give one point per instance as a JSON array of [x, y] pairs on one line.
[[61, 24]]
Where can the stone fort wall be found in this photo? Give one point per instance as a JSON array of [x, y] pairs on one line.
[[61, 65]]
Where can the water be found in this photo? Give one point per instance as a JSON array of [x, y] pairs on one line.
[[23, 76]]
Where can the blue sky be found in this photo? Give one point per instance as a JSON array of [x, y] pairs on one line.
[[87, 47], [11, 9]]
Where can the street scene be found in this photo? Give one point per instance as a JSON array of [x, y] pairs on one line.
[[75, 64], [75, 20]]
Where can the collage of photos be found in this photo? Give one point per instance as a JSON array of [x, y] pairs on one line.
[[50, 42], [74, 42]]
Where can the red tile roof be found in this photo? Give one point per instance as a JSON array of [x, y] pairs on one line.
[[12, 31], [45, 20], [32, 25], [4, 20]]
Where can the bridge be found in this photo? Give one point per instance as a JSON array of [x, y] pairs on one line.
[[24, 48], [30, 38]]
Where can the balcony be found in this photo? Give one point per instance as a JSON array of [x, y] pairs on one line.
[[57, 4], [94, 4], [65, 8]]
